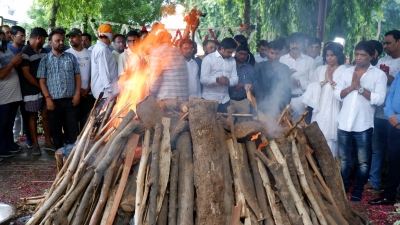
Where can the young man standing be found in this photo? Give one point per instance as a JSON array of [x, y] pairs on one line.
[[119, 45], [86, 40], [262, 52], [186, 49], [361, 88], [32, 53]]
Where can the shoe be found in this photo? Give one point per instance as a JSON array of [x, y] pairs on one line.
[[29, 144], [15, 150], [36, 151], [6, 154], [50, 148], [382, 201], [368, 186]]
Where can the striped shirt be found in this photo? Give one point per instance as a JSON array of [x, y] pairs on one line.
[[169, 74], [59, 73], [10, 90]]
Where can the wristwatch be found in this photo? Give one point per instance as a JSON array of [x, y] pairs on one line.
[[360, 91]]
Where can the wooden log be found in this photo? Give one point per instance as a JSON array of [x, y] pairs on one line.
[[141, 174], [132, 144], [122, 217], [228, 182], [163, 216], [59, 160], [128, 198], [286, 148], [207, 160], [297, 200], [149, 112], [154, 173], [164, 163], [314, 218], [109, 109], [235, 215], [231, 122], [185, 213], [287, 200], [332, 178], [246, 128], [258, 183], [270, 193], [173, 188], [109, 205], [143, 205], [303, 181]]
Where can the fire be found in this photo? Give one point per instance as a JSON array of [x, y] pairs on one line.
[[255, 136]]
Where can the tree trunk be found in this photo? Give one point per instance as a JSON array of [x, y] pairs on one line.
[[332, 178], [207, 160], [53, 15], [185, 181], [246, 14]]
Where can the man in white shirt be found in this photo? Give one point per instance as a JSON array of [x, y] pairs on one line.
[[301, 69], [262, 52], [390, 65], [361, 88], [186, 49], [82, 55], [119, 45], [314, 51], [218, 72], [128, 60]]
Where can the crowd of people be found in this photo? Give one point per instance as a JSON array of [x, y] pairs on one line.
[[356, 105]]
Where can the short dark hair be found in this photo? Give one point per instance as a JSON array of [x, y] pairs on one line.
[[395, 33], [38, 32], [367, 46], [313, 41], [282, 42], [58, 30], [118, 35], [5, 25], [337, 50], [133, 33], [263, 43], [227, 43], [87, 35], [296, 37], [241, 39], [276, 44], [185, 41], [205, 43], [378, 46], [242, 48], [14, 30]]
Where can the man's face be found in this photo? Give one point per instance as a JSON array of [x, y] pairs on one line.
[[132, 41], [187, 50], [41, 41], [273, 55], [19, 38], [75, 41], [226, 53], [314, 50], [7, 33], [241, 56], [296, 47], [362, 58], [119, 44], [57, 42], [390, 45], [86, 42], [210, 48], [263, 51]]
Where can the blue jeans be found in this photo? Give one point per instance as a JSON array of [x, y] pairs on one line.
[[360, 144], [379, 150]]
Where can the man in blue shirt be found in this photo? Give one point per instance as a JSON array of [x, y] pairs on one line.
[[60, 82], [392, 113]]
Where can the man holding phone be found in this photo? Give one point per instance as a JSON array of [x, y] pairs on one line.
[[390, 65]]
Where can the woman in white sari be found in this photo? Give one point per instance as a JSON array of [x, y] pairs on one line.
[[319, 94]]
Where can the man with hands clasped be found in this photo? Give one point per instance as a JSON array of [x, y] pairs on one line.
[[361, 88]]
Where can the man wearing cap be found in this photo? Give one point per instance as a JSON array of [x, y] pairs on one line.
[[83, 56], [104, 71], [32, 53]]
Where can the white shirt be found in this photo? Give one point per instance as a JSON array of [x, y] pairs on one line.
[[83, 58], [303, 67], [394, 68], [104, 71], [127, 62], [357, 113], [194, 80], [318, 61], [259, 59], [214, 66]]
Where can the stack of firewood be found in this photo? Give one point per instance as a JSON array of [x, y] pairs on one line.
[[183, 163]]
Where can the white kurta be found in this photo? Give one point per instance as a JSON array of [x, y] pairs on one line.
[[327, 112]]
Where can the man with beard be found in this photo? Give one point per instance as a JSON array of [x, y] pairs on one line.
[[209, 46], [83, 57], [301, 69], [390, 65], [271, 82], [119, 45], [7, 34], [18, 37], [262, 52], [32, 53], [60, 82], [186, 49]]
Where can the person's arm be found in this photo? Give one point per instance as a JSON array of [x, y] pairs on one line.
[[388, 110], [205, 77], [49, 101], [233, 77], [341, 91], [5, 71], [77, 96], [377, 96], [29, 77]]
